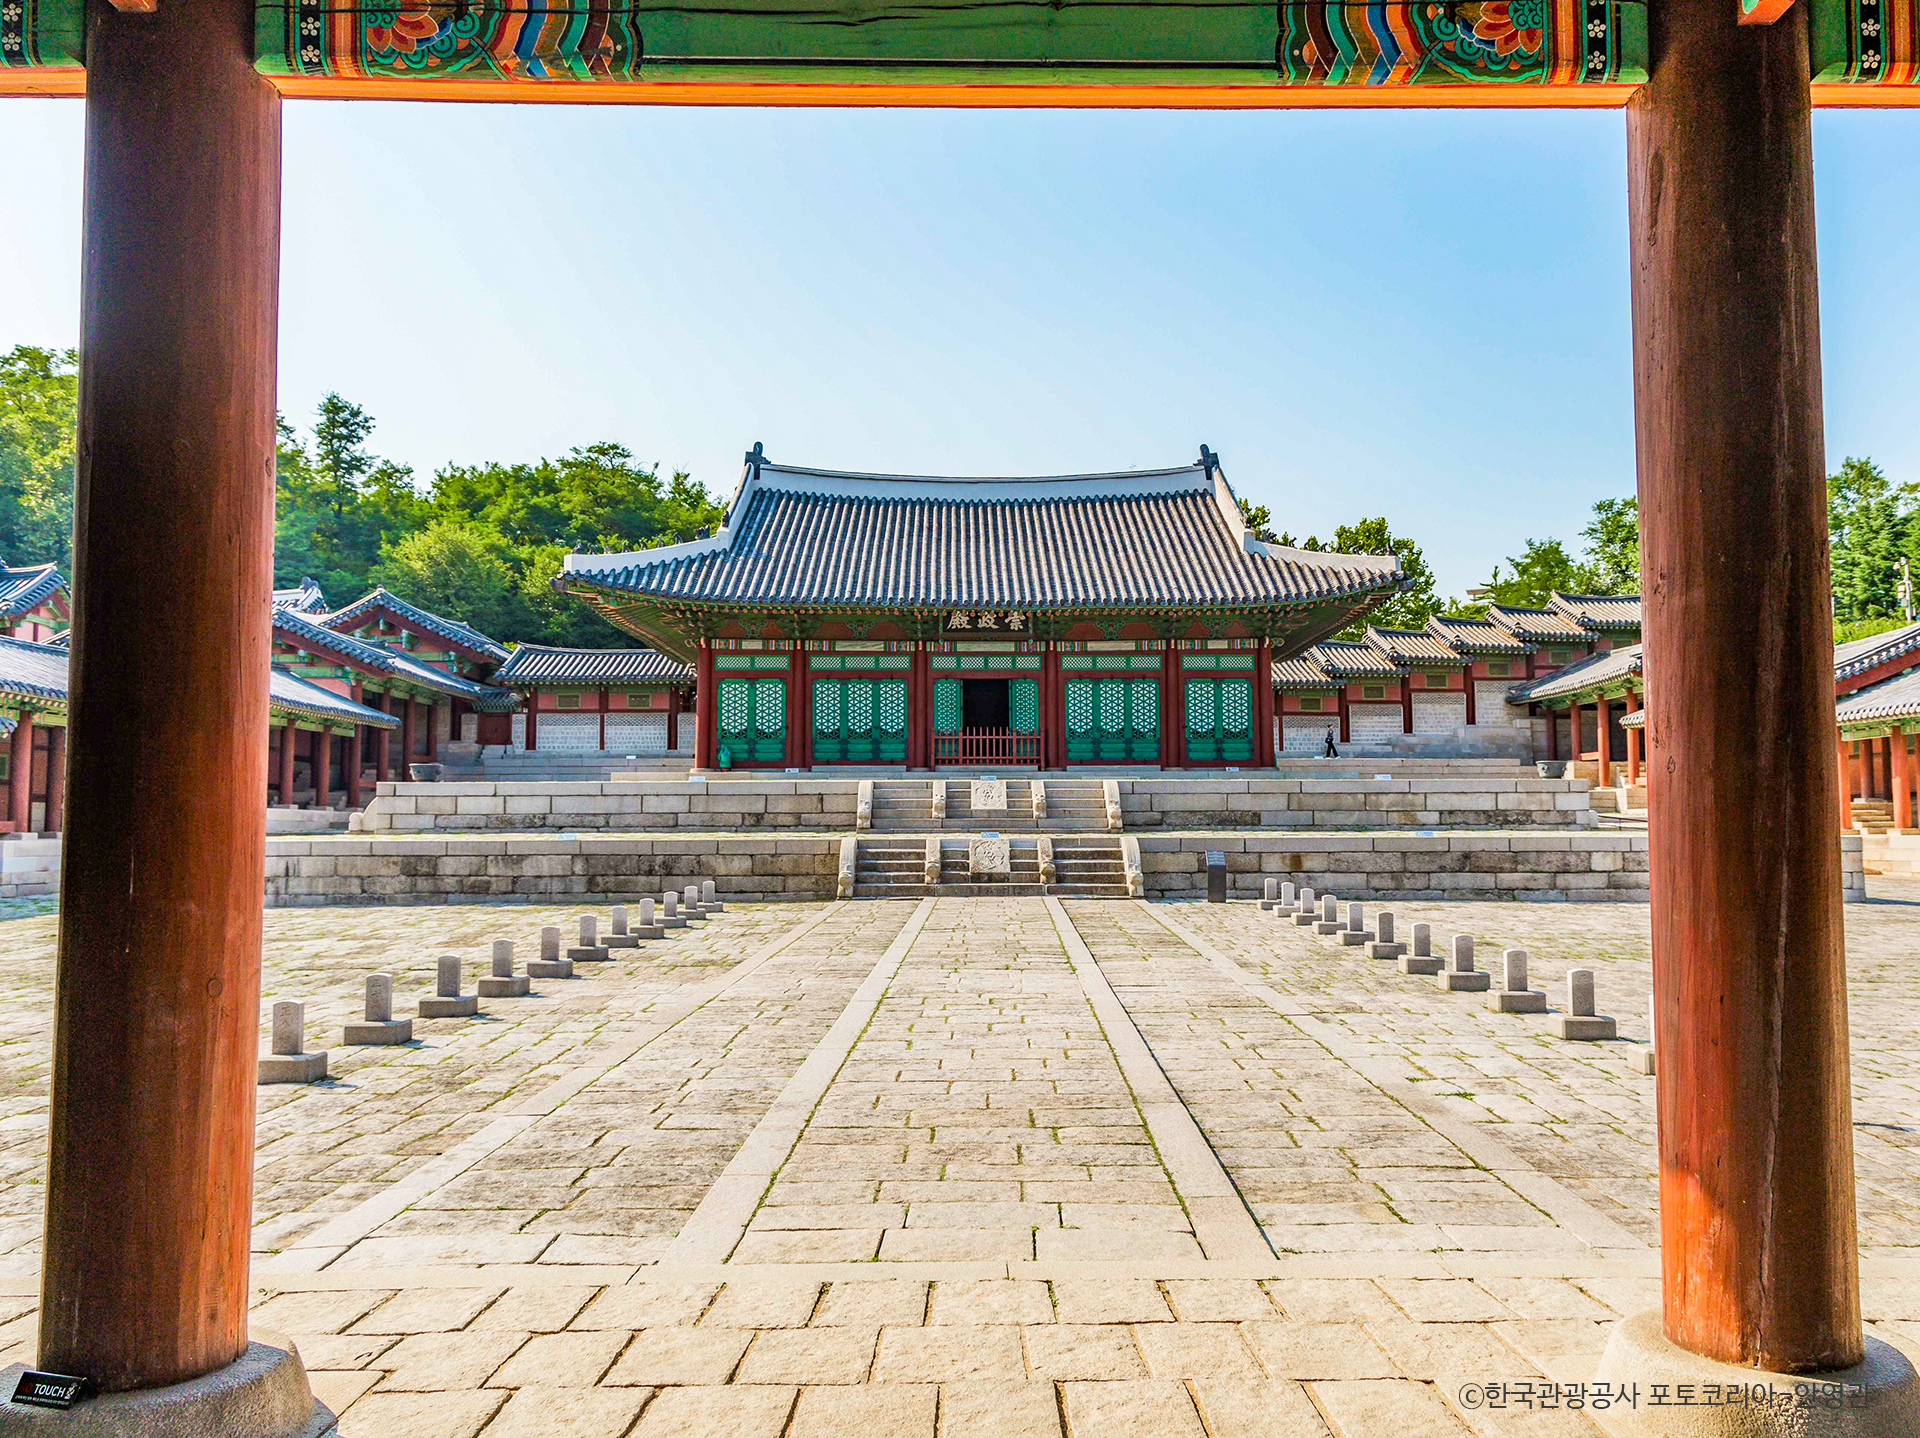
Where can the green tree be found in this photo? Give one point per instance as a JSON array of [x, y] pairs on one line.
[[1533, 575], [1411, 607], [1870, 526], [456, 569], [39, 398], [1259, 522], [1612, 561]]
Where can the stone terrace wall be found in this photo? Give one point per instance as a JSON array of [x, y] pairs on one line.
[[472, 869], [1418, 802], [1189, 802]]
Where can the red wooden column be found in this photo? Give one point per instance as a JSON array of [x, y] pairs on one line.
[[1603, 739], [1902, 782], [1263, 705], [1173, 711], [323, 769], [1053, 710], [673, 718], [1846, 788], [56, 779], [149, 1177], [799, 717], [20, 774], [382, 754], [289, 741], [1756, 1157], [705, 712], [407, 708], [1406, 703]]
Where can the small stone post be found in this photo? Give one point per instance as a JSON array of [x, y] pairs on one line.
[[1329, 921], [288, 1063], [1461, 976], [620, 938], [1356, 932], [1644, 1060], [1307, 911], [589, 950], [670, 915], [1383, 946], [380, 1026], [1580, 1021], [503, 983], [1289, 899], [1421, 960], [1514, 996], [550, 965], [1269, 893], [646, 926], [710, 898], [690, 903], [447, 1001]]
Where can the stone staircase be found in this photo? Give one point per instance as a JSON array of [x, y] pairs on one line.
[[906, 806], [1873, 816], [1085, 867]]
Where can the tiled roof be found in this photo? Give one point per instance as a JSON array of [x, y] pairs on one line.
[[452, 630], [33, 672], [1412, 646], [27, 587], [536, 664], [303, 633], [1598, 611], [1895, 698], [1636, 720], [1536, 626], [1474, 636], [1302, 673], [1346, 660], [1857, 656], [1589, 673], [305, 598], [818, 537], [290, 694]]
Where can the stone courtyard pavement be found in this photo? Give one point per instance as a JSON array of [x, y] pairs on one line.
[[969, 1168]]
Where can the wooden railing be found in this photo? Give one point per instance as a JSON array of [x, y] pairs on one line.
[[986, 746]]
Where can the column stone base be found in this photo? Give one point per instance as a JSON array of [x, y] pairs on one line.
[[262, 1395], [1881, 1400]]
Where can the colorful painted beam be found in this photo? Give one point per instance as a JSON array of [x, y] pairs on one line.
[[1222, 53]]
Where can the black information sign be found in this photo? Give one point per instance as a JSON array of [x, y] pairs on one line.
[[50, 1390]]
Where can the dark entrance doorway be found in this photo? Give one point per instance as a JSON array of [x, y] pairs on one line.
[[983, 704]]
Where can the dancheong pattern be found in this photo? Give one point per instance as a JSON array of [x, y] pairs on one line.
[[41, 34], [1866, 42], [1166, 42]]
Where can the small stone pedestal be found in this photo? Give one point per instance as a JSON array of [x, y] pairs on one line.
[[1580, 1021], [1385, 947], [670, 915], [1356, 932], [550, 965], [1461, 976], [690, 903], [1270, 894], [710, 898], [380, 1026], [1513, 996], [620, 938], [503, 983], [646, 927], [1307, 910], [1329, 920], [262, 1394], [1421, 960], [447, 1001], [287, 1063], [589, 950], [1881, 1396]]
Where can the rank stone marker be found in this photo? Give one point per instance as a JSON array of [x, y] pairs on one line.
[[1513, 996], [288, 1063], [503, 983], [1580, 1021], [1356, 932], [589, 950], [1270, 894], [1308, 910], [379, 1026], [710, 898], [647, 927], [670, 915], [1289, 899], [1329, 921], [550, 965], [690, 903], [447, 1002], [1460, 976], [620, 938], [1384, 946], [1421, 960]]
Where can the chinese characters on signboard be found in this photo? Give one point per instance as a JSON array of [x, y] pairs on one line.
[[990, 620]]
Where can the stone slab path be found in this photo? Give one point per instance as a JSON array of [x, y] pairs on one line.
[[965, 1167]]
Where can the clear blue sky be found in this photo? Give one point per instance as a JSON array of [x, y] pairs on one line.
[[1419, 315]]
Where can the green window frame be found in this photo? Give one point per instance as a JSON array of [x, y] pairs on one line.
[[1219, 726], [859, 720], [752, 722]]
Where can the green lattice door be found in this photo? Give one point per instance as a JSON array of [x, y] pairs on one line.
[[948, 706], [860, 721], [753, 720], [1117, 720], [1023, 706], [1219, 720]]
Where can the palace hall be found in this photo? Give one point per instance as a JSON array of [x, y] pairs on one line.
[[839, 618]]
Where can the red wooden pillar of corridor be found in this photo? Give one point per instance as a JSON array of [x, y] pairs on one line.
[[1756, 1158], [149, 1174]]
